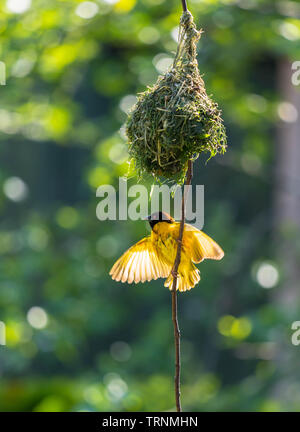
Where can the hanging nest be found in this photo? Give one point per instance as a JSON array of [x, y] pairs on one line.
[[175, 120]]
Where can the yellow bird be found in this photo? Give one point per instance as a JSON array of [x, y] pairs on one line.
[[153, 257]]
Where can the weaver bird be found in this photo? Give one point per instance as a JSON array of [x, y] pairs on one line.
[[153, 257]]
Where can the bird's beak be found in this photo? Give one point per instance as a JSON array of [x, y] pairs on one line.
[[146, 218]]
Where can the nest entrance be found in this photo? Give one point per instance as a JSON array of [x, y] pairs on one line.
[[175, 120]]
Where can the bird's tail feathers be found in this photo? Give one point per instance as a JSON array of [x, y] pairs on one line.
[[185, 280]]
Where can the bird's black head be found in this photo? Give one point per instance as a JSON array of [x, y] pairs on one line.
[[160, 216]]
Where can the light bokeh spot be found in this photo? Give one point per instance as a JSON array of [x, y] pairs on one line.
[[118, 153], [251, 163], [287, 112], [93, 395], [18, 6], [102, 248], [256, 103], [15, 189], [37, 238], [236, 328], [289, 31], [87, 10], [22, 67], [120, 351], [127, 103], [67, 217], [149, 35], [123, 6], [162, 62], [116, 387], [267, 275], [37, 317]]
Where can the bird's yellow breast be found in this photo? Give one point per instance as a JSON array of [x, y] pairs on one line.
[[164, 236]]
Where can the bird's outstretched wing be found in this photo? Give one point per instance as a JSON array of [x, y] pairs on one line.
[[200, 245], [140, 263]]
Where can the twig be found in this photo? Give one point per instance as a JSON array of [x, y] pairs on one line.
[[175, 275], [184, 6], [174, 288]]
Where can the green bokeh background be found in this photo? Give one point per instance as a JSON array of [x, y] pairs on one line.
[[105, 346]]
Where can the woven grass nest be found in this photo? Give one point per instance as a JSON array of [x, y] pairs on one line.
[[175, 120]]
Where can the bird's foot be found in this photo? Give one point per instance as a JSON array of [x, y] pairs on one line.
[[174, 274]]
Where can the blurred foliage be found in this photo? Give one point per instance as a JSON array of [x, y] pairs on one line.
[[75, 339]]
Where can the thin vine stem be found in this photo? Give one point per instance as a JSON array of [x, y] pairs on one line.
[[184, 5], [188, 181]]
